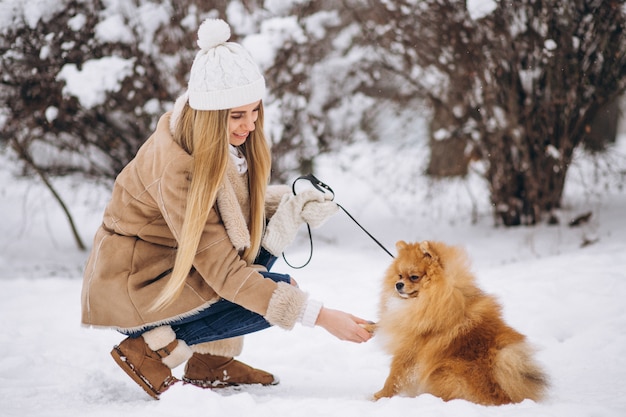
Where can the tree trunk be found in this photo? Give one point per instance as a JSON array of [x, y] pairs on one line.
[[527, 179], [448, 148], [603, 129], [522, 197]]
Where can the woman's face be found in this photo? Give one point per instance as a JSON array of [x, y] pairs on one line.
[[241, 122]]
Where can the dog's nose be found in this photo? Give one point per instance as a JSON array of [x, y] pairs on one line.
[[399, 286]]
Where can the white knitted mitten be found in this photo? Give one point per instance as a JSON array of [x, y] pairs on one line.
[[315, 213], [308, 206]]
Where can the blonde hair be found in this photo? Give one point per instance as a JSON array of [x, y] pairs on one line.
[[205, 136]]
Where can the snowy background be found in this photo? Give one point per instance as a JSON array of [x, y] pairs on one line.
[[567, 298], [562, 286]]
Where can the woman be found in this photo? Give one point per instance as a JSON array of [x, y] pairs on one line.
[[181, 261]]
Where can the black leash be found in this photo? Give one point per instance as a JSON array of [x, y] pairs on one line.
[[325, 188]]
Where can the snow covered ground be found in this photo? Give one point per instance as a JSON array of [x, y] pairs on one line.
[[566, 297]]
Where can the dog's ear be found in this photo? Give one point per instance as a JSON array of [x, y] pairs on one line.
[[427, 249], [401, 244]]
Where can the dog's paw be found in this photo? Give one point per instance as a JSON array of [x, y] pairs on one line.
[[381, 394], [370, 327]]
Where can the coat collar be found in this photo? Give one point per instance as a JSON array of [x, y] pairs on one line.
[[229, 207]]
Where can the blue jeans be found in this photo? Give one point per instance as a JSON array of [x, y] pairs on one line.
[[223, 319]]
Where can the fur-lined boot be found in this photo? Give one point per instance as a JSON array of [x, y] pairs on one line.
[[213, 366], [150, 358]]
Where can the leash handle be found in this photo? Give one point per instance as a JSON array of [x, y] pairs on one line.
[[320, 186], [325, 188], [310, 252], [316, 183]]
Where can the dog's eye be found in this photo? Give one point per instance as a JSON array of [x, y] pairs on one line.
[[414, 278]]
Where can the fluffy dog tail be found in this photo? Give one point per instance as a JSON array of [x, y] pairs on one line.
[[518, 375]]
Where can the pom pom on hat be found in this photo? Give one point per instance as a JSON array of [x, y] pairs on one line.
[[223, 75], [212, 32]]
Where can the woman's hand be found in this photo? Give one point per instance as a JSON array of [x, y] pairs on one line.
[[343, 326], [310, 206]]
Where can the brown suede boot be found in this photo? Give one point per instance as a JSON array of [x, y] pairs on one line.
[[149, 359], [211, 371], [144, 365]]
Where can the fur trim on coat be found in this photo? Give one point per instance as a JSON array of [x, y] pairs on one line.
[[231, 210], [225, 347]]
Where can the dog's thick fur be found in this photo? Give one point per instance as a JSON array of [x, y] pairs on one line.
[[446, 336]]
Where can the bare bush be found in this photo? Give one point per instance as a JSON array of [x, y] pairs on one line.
[[521, 84]]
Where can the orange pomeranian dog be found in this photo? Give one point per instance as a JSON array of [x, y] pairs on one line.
[[446, 336]]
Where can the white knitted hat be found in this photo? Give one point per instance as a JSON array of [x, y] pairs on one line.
[[223, 74]]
